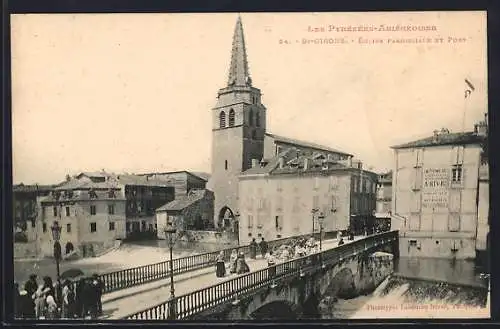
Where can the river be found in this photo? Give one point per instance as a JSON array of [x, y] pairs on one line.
[[413, 294]]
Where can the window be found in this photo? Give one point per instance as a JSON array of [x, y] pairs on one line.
[[55, 211], [417, 180], [44, 227], [254, 134], [111, 209], [279, 185], [225, 164], [355, 183], [418, 154], [111, 194], [333, 183], [250, 118], [257, 119], [67, 211], [33, 224], [250, 221], [111, 226], [231, 118], [92, 210], [222, 119], [68, 228], [278, 223], [456, 173], [93, 227]]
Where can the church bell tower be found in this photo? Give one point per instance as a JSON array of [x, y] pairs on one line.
[[238, 129]]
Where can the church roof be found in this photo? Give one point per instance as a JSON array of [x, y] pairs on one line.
[[296, 142], [239, 75]]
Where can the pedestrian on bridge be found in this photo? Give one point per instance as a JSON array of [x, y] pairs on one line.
[[220, 267], [253, 249], [263, 247], [271, 261], [232, 261], [242, 266]]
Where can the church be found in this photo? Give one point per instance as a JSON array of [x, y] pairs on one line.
[[240, 139]]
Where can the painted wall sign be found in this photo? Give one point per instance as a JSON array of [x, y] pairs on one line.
[[436, 182]]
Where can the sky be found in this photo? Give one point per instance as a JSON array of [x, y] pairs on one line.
[[134, 92]]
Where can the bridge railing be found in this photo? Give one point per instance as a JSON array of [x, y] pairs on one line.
[[184, 306], [130, 277]]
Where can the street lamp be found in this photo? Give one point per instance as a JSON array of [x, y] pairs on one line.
[[236, 226], [313, 212], [321, 218], [170, 231], [56, 236]]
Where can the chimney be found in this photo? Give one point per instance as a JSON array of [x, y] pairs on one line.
[[475, 128], [482, 129], [281, 162], [306, 163], [255, 163]]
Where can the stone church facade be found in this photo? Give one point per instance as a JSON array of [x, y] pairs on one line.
[[239, 135]]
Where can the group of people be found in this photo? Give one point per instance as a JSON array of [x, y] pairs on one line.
[[80, 299]]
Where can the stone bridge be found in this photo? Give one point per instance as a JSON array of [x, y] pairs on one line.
[[357, 269]]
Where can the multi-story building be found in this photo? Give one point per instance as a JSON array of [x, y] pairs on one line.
[[384, 203], [239, 134], [25, 198], [435, 194], [95, 209], [91, 216], [285, 196]]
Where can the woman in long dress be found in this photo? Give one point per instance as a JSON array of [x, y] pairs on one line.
[[242, 266], [220, 270]]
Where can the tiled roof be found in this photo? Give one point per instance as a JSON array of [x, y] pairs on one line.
[[294, 163], [297, 142], [83, 196], [202, 175], [77, 184], [183, 202], [444, 139], [140, 180], [32, 188], [101, 174]]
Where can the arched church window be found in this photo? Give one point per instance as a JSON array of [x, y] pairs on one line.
[[222, 119], [257, 119], [231, 118], [250, 118]]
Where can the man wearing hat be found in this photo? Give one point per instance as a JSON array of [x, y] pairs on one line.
[[31, 286]]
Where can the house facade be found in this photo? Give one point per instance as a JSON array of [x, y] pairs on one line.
[[286, 195], [435, 194]]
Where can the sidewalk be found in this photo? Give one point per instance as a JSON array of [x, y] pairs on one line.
[[121, 303]]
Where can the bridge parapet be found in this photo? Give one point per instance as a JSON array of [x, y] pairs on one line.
[[201, 301]]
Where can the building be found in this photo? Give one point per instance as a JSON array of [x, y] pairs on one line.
[[435, 194], [193, 211], [97, 208], [182, 181], [285, 196], [90, 213], [384, 203], [25, 210], [239, 134]]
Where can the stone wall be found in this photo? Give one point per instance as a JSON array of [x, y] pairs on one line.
[[222, 238], [25, 250]]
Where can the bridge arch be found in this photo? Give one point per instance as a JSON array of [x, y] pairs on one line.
[[342, 285], [278, 309]]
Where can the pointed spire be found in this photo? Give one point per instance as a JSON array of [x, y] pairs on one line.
[[238, 71]]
